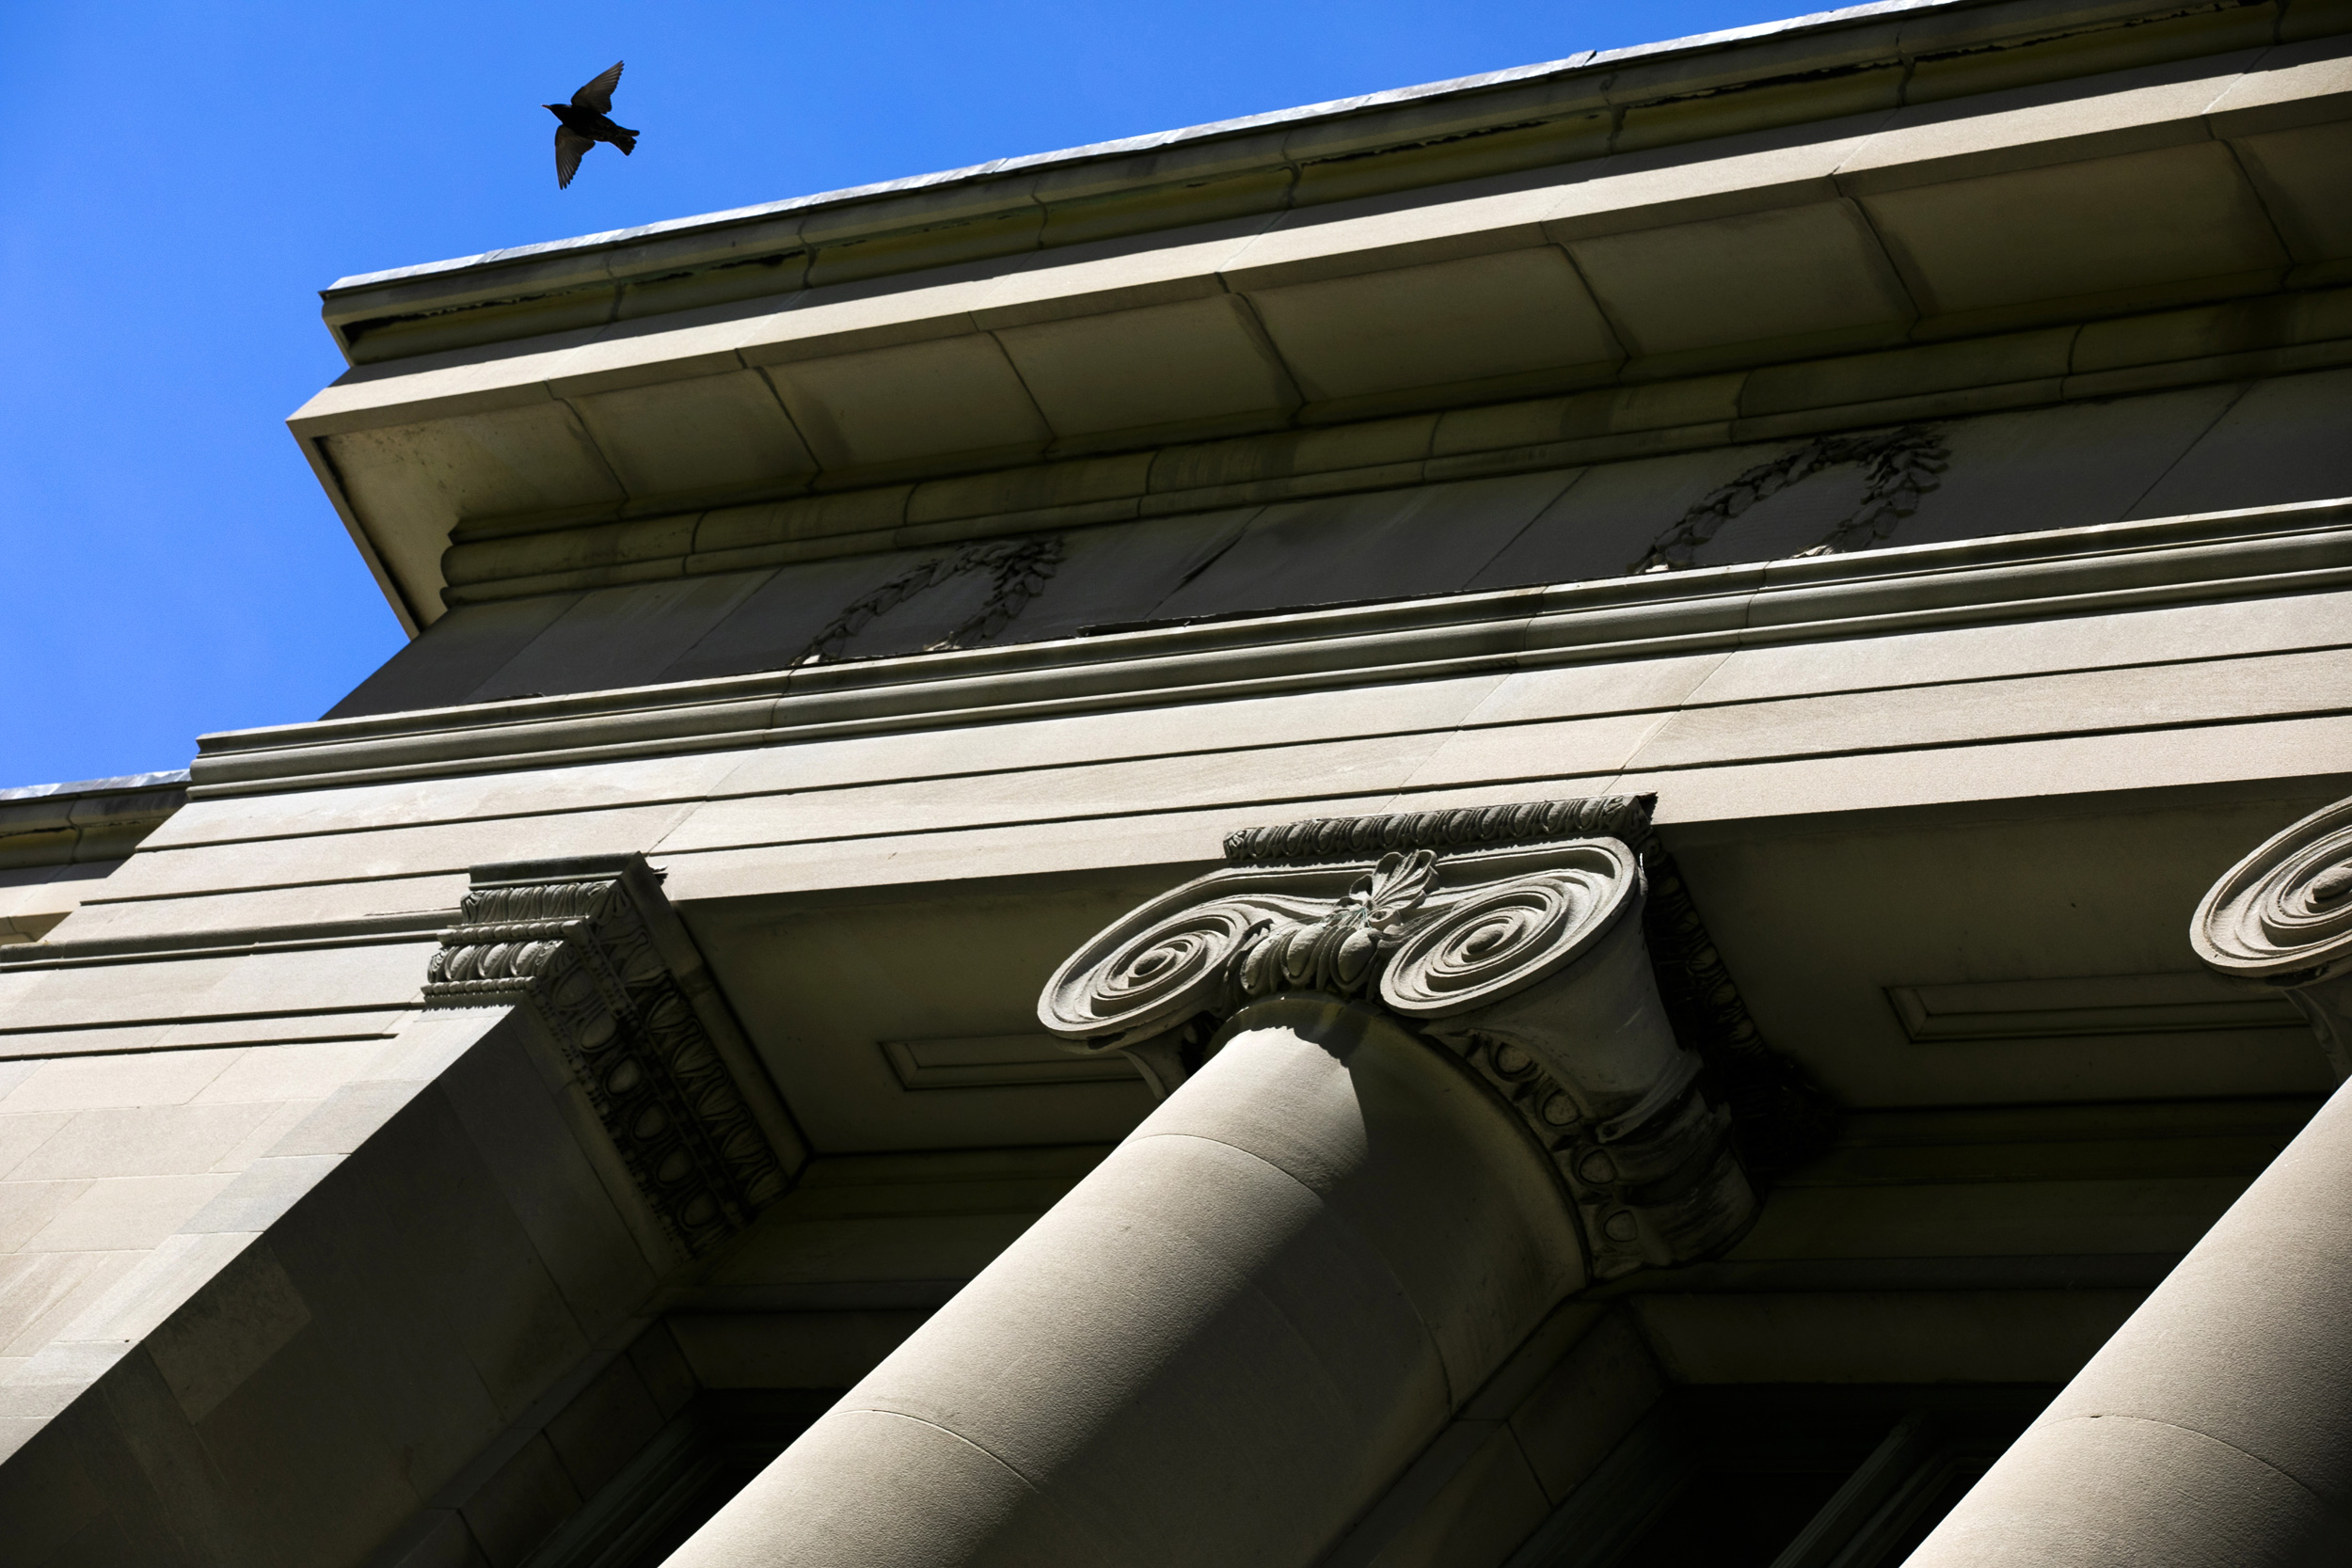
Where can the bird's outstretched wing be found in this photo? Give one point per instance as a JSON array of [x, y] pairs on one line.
[[598, 95], [569, 145]]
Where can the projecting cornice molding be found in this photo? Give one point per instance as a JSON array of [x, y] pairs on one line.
[[1527, 961], [2283, 917], [594, 948]]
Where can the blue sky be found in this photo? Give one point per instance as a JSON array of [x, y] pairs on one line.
[[181, 178]]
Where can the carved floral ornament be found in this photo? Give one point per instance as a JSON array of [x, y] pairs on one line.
[[1525, 962], [2283, 917], [593, 947]]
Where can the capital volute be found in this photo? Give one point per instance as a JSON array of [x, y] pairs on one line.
[[2282, 918]]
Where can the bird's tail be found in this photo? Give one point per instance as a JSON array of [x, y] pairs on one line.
[[626, 141]]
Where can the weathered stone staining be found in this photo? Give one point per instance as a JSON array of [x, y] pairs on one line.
[[1443, 832]]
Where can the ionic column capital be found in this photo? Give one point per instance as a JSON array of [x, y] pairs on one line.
[[1526, 963]]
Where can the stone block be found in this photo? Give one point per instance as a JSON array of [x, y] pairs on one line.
[[890, 405], [569, 1202], [2059, 467], [41, 1292], [521, 1505], [795, 1349], [1125, 273], [2279, 442], [1798, 273], [662, 1370], [2291, 86], [304, 1467], [1340, 239], [245, 1315], [343, 1120], [2055, 705], [306, 1070], [141, 1140], [1489, 1506], [1392, 543], [22, 1134], [261, 1193], [412, 482], [1268, 774], [1210, 363], [1038, 487], [1608, 517], [462, 1255], [604, 1427], [1558, 751], [2157, 221], [502, 561], [1568, 1423], [776, 624], [1866, 1337], [437, 1537], [393, 1336], [418, 802], [1574, 692], [1445, 321], [1214, 466], [431, 849], [620, 637], [1123, 573], [2018, 356], [126, 1213], [704, 436], [2138, 110]]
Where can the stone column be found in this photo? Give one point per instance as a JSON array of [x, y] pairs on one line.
[[2216, 1428], [1408, 1107]]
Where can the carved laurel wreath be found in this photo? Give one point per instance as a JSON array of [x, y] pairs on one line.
[[1901, 466], [1019, 568]]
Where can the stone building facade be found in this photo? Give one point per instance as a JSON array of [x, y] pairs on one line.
[[1585, 818]]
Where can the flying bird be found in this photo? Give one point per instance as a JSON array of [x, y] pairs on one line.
[[584, 123]]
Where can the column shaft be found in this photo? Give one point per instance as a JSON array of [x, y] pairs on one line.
[[1218, 1348], [2216, 1428]]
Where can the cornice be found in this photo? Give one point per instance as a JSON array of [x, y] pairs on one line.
[[92, 819], [1585, 104], [2123, 566]]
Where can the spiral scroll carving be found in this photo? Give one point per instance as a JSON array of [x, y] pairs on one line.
[[1500, 938], [1110, 993], [2283, 914]]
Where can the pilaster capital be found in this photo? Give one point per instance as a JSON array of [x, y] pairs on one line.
[[593, 946]]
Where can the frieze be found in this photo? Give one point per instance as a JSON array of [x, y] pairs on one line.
[[1898, 467], [593, 948]]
